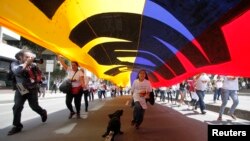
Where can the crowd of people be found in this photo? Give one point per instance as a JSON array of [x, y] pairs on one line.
[[224, 87], [31, 85]]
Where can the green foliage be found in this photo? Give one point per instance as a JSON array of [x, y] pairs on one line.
[[58, 73]]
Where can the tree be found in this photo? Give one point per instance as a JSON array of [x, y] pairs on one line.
[[58, 73]]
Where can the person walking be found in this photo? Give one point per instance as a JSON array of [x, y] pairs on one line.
[[176, 88], [229, 88], [113, 90], [169, 94], [201, 87], [54, 87], [77, 78], [193, 95], [140, 90], [102, 90], [43, 86], [91, 93], [86, 91], [121, 90], [28, 77], [218, 88], [163, 91], [182, 90]]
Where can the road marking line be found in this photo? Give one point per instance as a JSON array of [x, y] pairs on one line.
[[127, 103], [66, 129]]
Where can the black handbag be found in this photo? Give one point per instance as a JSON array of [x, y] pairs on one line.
[[66, 85], [151, 98]]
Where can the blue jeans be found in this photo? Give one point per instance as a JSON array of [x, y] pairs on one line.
[[217, 93], [162, 97], [138, 113], [102, 92], [86, 94], [201, 95], [170, 96], [224, 97]]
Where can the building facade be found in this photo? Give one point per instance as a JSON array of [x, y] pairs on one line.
[[7, 55]]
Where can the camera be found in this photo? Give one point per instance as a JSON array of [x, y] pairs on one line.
[[39, 61]]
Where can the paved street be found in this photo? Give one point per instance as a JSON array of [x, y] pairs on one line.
[[163, 121]]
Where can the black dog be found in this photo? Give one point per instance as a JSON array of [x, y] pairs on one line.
[[114, 124]]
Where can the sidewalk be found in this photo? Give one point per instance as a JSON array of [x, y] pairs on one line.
[[162, 122]]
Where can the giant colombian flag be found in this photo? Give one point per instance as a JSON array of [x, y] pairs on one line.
[[171, 39]]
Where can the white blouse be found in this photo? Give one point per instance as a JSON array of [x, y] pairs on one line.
[[231, 84], [76, 79], [138, 86]]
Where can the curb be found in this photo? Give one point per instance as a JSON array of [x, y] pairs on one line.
[[243, 114]]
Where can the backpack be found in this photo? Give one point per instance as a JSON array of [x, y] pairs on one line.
[[11, 77]]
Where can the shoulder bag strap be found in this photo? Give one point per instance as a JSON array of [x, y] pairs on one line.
[[74, 75]]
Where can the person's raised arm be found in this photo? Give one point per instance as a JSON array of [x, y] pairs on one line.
[[61, 60]]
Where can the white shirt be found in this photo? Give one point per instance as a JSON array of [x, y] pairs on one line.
[[76, 79], [86, 82], [176, 86], [163, 88], [138, 86], [230, 84], [201, 82], [218, 83], [102, 87]]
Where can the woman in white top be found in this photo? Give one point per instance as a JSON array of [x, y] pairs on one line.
[[140, 90], [86, 92], [77, 78], [201, 81], [218, 87], [229, 88]]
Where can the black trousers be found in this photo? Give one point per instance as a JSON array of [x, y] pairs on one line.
[[19, 101], [77, 100], [86, 94], [91, 95]]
